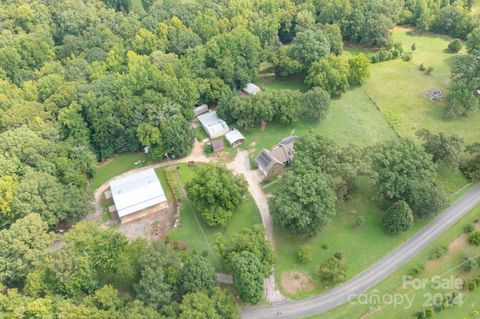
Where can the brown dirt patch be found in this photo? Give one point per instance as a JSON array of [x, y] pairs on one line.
[[296, 281], [457, 244]]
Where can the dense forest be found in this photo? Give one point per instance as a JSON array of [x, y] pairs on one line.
[[81, 80]]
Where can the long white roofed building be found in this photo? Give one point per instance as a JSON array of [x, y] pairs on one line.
[[213, 125], [138, 195]]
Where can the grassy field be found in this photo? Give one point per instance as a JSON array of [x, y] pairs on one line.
[[400, 89], [362, 246], [115, 166], [393, 102], [194, 232], [352, 119], [445, 267]]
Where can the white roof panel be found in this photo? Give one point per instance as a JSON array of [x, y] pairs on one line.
[[136, 192], [214, 126], [251, 89], [233, 136]]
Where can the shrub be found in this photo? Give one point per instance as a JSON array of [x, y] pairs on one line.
[[414, 46], [324, 246], [360, 221], [468, 228], [339, 255], [470, 263], [407, 56], [472, 285], [399, 218], [416, 270], [455, 46], [429, 70], [475, 239], [439, 252], [332, 271], [421, 67], [305, 254]]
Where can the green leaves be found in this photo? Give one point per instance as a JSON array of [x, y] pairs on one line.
[[22, 245], [248, 277], [398, 218], [216, 193]]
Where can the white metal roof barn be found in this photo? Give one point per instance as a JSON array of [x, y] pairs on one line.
[[137, 192]]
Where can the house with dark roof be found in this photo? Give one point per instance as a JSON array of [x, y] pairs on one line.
[[273, 162]]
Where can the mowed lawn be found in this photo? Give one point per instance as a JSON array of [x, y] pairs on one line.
[[449, 265], [400, 89], [194, 232], [352, 119], [361, 246], [114, 166]]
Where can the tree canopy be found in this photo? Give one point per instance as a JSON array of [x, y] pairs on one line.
[[217, 193]]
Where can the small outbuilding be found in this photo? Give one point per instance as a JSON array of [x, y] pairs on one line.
[[217, 145], [213, 125], [199, 110], [235, 138], [138, 195], [251, 89]]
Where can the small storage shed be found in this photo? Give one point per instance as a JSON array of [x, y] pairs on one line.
[[251, 89], [217, 145], [199, 110], [234, 137]]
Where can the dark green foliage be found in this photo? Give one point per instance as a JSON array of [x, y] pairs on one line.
[[406, 172], [439, 252], [305, 202], [398, 218], [331, 73], [474, 238], [332, 271], [198, 305], [250, 239], [455, 46], [468, 228], [309, 46], [359, 221], [280, 106], [178, 137], [344, 164], [305, 254], [315, 103], [159, 275], [470, 263], [465, 80], [442, 147], [217, 193], [248, 277], [471, 167], [473, 42], [196, 275], [21, 246]]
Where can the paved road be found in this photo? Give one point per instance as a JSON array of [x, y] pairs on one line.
[[373, 275]]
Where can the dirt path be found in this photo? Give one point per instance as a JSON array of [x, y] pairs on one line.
[[241, 165]]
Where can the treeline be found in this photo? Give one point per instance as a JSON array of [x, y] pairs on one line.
[[451, 17], [281, 106], [463, 93], [99, 274]]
